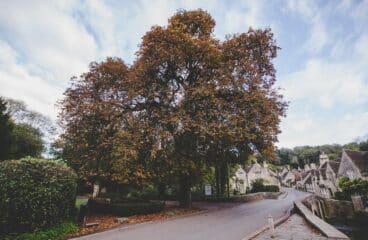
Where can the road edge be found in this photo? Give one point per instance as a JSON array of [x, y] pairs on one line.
[[278, 222]]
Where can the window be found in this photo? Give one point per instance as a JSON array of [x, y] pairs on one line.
[[350, 174]]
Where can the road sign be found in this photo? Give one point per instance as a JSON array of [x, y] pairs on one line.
[[208, 190]]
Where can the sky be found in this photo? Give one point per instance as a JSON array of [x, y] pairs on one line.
[[322, 67]]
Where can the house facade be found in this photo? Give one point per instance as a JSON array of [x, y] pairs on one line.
[[239, 182], [257, 171], [321, 180]]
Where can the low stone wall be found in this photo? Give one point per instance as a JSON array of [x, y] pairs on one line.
[[329, 208], [328, 230], [257, 196]]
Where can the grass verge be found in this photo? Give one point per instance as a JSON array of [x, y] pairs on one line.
[[57, 232]]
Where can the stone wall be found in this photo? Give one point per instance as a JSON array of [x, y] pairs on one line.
[[257, 196], [337, 209], [329, 208]]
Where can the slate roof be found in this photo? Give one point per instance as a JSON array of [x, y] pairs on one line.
[[323, 165], [335, 166], [360, 159]]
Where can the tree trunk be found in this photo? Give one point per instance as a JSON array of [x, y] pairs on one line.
[[161, 191], [185, 194], [223, 178], [217, 174]]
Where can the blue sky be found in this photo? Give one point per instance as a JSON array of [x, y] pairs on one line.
[[322, 66]]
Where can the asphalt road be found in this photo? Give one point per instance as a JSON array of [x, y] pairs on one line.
[[225, 223]]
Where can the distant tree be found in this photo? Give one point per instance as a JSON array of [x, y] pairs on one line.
[[351, 146], [363, 146], [6, 127], [26, 141]]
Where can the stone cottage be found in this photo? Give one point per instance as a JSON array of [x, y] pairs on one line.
[[257, 171], [354, 164], [287, 178], [239, 181], [321, 180]]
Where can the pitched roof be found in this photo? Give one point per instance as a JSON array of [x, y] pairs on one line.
[[298, 175], [360, 159], [335, 166], [322, 171], [322, 165]]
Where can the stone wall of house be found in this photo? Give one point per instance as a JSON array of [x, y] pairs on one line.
[[329, 208], [337, 209]]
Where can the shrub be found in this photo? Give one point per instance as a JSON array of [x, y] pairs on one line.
[[271, 188], [57, 232], [126, 208], [35, 194], [258, 186], [351, 187]]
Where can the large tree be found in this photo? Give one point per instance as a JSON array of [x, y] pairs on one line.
[[98, 139], [210, 99], [188, 101]]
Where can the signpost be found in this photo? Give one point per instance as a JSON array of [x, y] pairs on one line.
[[207, 190]]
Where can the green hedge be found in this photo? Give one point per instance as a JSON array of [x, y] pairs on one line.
[[125, 209], [35, 194], [258, 186]]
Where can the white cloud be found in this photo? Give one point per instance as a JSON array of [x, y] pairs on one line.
[[16, 82], [305, 129], [42, 44], [313, 15], [327, 84]]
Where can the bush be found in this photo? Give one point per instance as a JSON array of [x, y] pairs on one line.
[[55, 232], [35, 194], [342, 196], [126, 208], [271, 188], [351, 187], [258, 186]]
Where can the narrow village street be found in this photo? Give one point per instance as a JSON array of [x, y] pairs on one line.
[[227, 223]]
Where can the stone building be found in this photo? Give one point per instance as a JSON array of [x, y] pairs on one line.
[[257, 171], [354, 164], [322, 180], [288, 178], [239, 181]]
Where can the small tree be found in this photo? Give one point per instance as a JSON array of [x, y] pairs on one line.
[[6, 127], [26, 141]]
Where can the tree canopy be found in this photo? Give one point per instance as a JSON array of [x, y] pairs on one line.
[[17, 140], [187, 101]]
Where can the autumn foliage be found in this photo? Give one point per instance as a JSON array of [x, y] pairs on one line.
[[189, 100]]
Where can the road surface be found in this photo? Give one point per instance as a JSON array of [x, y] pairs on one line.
[[226, 223]]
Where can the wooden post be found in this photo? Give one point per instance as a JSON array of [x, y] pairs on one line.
[[271, 224]]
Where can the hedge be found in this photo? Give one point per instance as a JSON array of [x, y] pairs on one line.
[[35, 194], [125, 209], [258, 186]]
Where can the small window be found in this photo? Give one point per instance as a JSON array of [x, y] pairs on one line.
[[350, 174]]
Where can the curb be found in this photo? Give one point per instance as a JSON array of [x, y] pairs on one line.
[[278, 222], [328, 230]]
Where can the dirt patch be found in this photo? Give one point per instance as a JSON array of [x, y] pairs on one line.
[[109, 221]]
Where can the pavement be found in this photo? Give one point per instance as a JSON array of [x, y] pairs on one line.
[[221, 222], [295, 228]]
